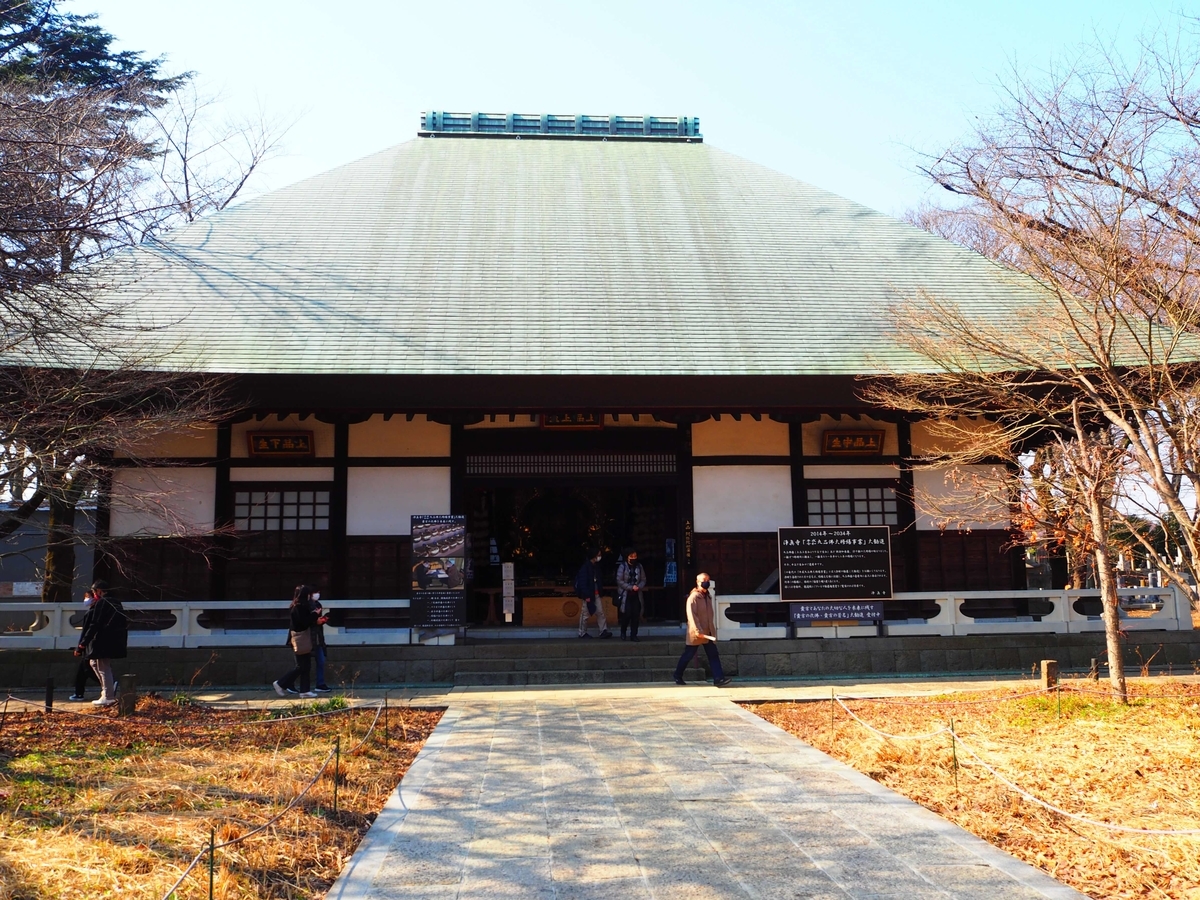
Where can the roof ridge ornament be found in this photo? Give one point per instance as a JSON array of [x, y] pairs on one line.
[[572, 127]]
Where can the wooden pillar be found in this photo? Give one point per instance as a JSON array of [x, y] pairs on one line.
[[685, 550], [222, 515], [339, 509], [458, 471], [799, 489]]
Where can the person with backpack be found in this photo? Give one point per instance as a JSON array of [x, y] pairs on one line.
[[104, 637], [631, 582], [587, 589]]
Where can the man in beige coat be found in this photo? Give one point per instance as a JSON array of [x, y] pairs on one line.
[[701, 632]]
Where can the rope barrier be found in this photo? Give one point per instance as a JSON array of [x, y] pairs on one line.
[[1062, 812], [66, 712], [918, 702], [366, 737], [1176, 697], [249, 834], [226, 725], [884, 734], [1010, 784]]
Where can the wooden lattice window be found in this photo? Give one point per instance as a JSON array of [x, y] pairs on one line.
[[284, 509]]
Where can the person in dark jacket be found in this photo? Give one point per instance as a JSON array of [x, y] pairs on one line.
[[84, 670], [587, 589], [318, 632], [631, 582], [105, 637], [300, 638]]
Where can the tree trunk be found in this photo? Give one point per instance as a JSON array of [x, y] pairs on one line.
[[1106, 580], [21, 515], [60, 544]]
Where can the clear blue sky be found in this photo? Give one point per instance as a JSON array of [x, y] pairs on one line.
[[840, 94]]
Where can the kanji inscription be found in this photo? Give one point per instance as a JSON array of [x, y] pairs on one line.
[[835, 563]]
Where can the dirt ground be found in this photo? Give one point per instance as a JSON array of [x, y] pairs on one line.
[[1133, 766], [101, 806]]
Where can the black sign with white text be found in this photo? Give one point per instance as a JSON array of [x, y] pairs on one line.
[[844, 562], [439, 572], [836, 611], [438, 609]]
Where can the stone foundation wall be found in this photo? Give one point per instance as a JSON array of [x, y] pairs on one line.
[[573, 662]]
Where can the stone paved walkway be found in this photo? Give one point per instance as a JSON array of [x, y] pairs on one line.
[[626, 795]]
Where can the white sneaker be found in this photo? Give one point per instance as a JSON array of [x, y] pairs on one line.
[[310, 695], [103, 702], [279, 689]]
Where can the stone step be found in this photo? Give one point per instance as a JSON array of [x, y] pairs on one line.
[[575, 649], [562, 676]]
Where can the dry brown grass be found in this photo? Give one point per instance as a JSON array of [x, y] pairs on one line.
[[118, 807], [1134, 766]]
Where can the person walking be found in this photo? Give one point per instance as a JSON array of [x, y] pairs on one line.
[[104, 637], [631, 582], [300, 639], [84, 670], [318, 631], [587, 589], [701, 632]]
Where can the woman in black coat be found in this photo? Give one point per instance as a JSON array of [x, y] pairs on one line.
[[105, 637], [300, 639]]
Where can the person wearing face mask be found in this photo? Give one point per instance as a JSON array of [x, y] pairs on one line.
[[631, 581], [701, 632], [587, 589]]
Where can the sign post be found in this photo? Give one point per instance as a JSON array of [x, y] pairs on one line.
[[439, 579], [835, 573], [508, 577]]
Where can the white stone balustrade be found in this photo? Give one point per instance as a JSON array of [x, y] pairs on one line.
[[47, 626], [1175, 615]]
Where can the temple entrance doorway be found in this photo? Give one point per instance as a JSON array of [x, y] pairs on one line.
[[546, 531]]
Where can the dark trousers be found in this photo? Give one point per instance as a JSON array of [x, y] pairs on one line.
[[714, 660], [82, 674], [300, 669], [632, 614], [319, 656]]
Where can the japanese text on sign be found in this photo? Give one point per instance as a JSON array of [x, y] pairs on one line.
[[842, 563], [439, 572], [280, 443], [843, 611], [852, 443]]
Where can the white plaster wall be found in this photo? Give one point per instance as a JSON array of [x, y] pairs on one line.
[[742, 498], [745, 438], [926, 441], [200, 442], [848, 471], [322, 434], [381, 499], [163, 501], [813, 430], [282, 473], [399, 437], [937, 498]]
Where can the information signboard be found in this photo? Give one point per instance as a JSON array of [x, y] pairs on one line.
[[836, 611], [439, 572], [845, 562]]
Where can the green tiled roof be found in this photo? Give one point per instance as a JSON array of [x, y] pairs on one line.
[[500, 256]]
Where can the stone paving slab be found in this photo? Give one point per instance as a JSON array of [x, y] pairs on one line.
[[657, 795]]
